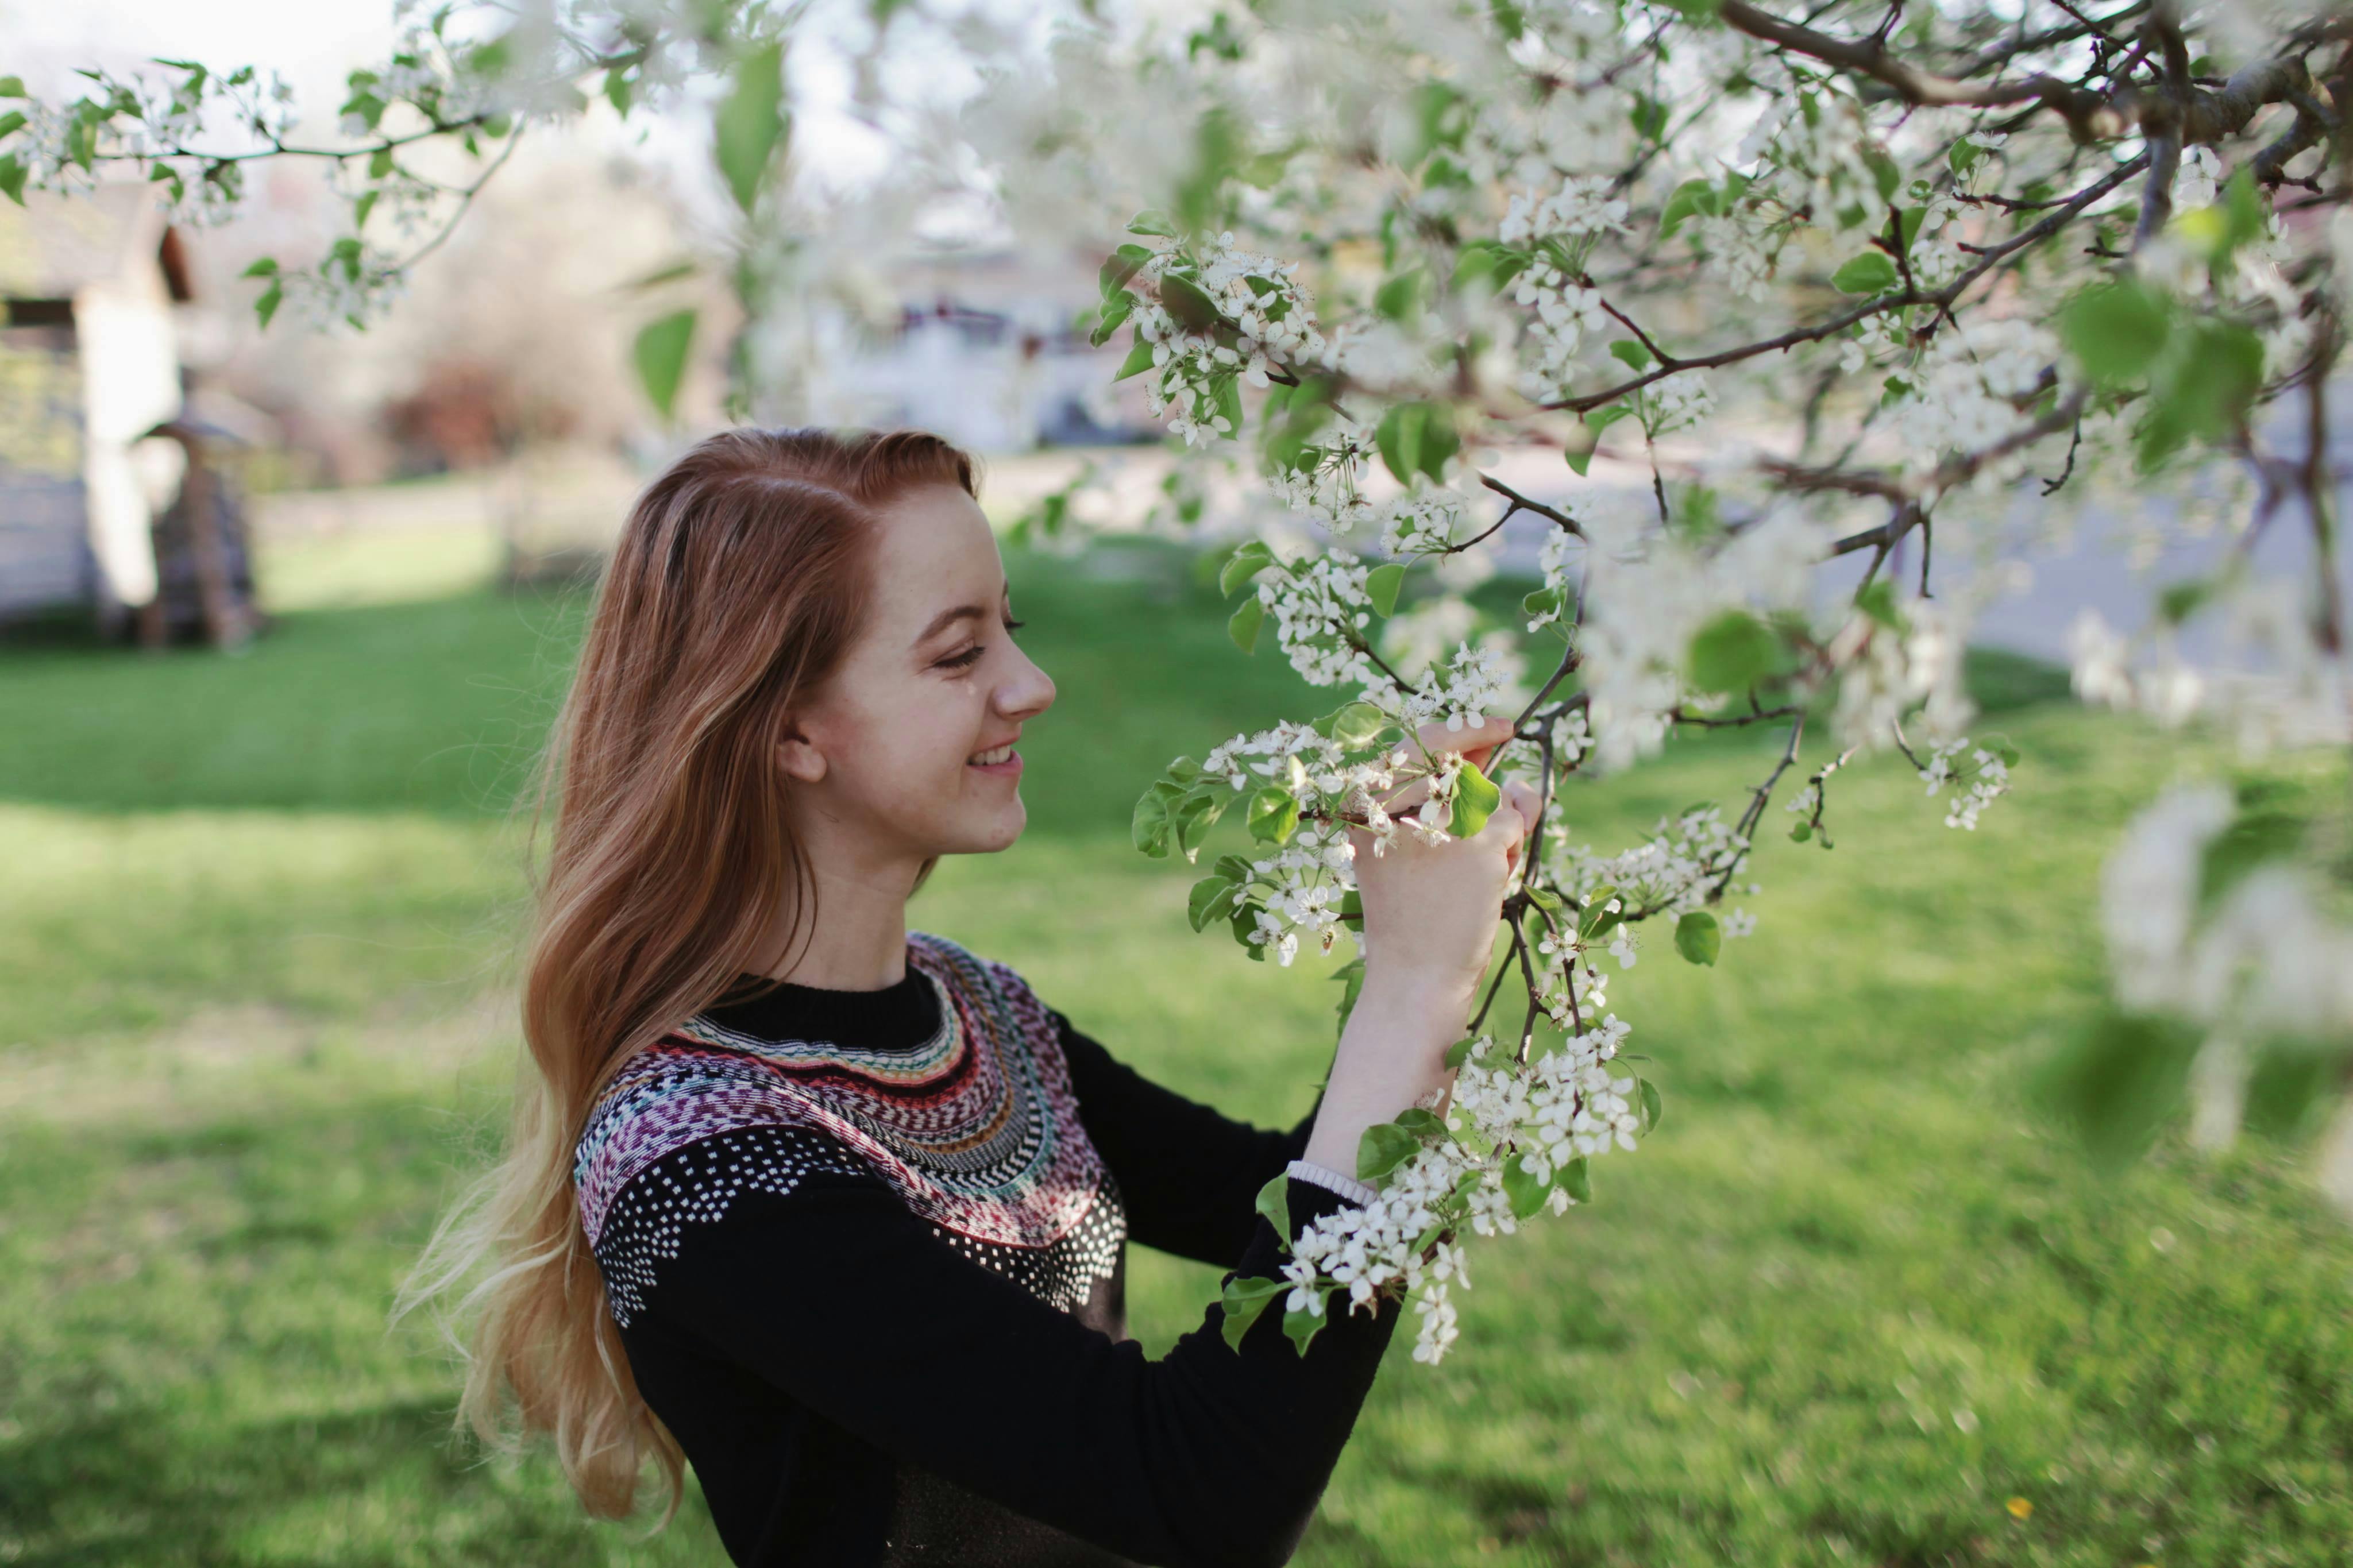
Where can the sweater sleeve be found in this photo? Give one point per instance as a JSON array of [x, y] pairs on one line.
[[1187, 1174], [839, 1296]]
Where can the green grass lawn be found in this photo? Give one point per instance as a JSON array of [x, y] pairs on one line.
[[1855, 1302]]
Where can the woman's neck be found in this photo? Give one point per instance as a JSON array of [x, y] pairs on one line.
[[857, 941]]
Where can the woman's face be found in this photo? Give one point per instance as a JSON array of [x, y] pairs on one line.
[[907, 753]]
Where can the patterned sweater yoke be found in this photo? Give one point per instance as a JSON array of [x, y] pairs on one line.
[[976, 1129]]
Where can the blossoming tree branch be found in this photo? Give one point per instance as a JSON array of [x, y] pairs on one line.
[[1826, 317]]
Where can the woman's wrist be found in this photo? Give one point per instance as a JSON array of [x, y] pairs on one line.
[[1392, 1055]]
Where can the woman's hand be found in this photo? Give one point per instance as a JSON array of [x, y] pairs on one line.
[[1430, 926], [1431, 908]]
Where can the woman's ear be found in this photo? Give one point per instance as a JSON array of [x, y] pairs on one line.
[[799, 759]]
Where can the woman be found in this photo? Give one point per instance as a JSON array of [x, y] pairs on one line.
[[837, 1213]]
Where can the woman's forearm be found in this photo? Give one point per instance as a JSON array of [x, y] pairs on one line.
[[1392, 1055]]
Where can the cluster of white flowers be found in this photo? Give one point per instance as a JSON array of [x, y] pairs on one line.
[[1566, 1105], [1265, 319], [1422, 520], [1884, 673], [1552, 561], [1328, 484], [1670, 873], [1812, 148], [1566, 310], [1739, 248], [1970, 386], [1320, 610], [1583, 209], [1309, 875], [1676, 402], [1462, 689], [1988, 781]]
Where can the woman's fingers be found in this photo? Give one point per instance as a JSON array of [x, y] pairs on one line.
[[1477, 742], [1520, 797]]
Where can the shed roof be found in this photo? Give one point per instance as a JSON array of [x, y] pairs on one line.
[[54, 243]]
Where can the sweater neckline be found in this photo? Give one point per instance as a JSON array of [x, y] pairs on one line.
[[904, 1017]]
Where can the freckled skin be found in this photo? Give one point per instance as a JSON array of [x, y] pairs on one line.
[[885, 770]]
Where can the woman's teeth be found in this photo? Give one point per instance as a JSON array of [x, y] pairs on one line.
[[990, 759]]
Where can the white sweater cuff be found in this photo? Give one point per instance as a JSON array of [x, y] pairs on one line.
[[1361, 1193]]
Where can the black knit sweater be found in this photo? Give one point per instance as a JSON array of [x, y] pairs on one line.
[[867, 1253]]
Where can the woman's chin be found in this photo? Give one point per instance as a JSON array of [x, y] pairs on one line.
[[999, 831]]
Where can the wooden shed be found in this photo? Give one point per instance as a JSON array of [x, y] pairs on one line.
[[91, 387]]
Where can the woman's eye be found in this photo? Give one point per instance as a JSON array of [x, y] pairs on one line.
[[1013, 625], [964, 660]]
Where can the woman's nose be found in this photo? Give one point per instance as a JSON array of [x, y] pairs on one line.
[[1026, 691]]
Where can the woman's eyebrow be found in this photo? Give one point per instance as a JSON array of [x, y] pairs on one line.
[[947, 618]]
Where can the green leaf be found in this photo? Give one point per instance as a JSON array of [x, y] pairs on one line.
[[1353, 725], [1595, 916], [1631, 354], [12, 87], [2115, 332], [1732, 653], [1183, 298], [362, 207], [1120, 267], [1153, 221], [1195, 817], [1242, 1303], [1234, 870], [1113, 317], [1527, 1193], [1150, 826], [1381, 585], [1301, 1327], [1401, 295], [1579, 463], [1138, 360], [1226, 392], [1649, 1104], [1601, 418], [1212, 898], [266, 305], [1475, 798], [1384, 1147], [1575, 1180], [751, 122], [1421, 1121], [265, 268], [1876, 599], [1698, 938], [1801, 832], [1274, 1202], [659, 353], [1872, 272], [1273, 816], [1416, 438], [1691, 199], [1459, 1051], [1243, 627]]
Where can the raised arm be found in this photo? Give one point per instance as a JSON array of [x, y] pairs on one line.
[[839, 1296]]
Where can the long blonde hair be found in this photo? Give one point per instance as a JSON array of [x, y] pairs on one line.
[[738, 581]]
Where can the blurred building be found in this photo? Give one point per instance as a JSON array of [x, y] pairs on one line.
[[98, 464]]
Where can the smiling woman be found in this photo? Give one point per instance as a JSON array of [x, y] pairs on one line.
[[837, 1212]]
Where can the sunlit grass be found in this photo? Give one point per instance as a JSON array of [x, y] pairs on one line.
[[1851, 1300]]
